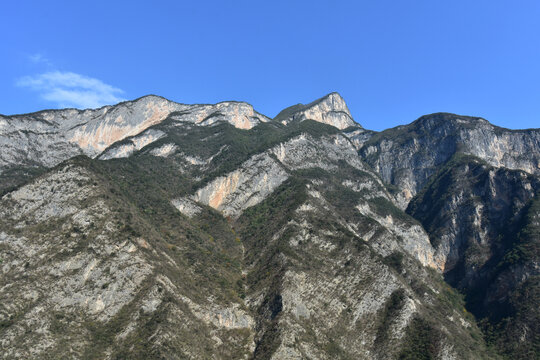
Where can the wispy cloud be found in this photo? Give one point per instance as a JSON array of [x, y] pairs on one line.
[[39, 59], [68, 89]]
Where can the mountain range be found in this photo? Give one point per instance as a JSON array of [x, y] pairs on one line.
[[157, 230]]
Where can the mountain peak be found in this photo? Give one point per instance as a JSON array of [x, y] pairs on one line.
[[331, 109], [439, 118]]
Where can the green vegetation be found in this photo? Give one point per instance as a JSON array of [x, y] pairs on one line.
[[391, 310], [233, 145], [16, 176], [443, 185], [422, 341], [395, 261], [260, 222], [513, 245], [205, 257]]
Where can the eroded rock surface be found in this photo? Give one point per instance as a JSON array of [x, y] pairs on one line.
[[330, 110], [406, 156]]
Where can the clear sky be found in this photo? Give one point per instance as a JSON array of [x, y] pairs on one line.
[[392, 61]]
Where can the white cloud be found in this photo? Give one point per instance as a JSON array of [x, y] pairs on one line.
[[68, 89], [39, 59]]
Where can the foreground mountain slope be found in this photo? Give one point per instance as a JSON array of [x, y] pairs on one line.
[[321, 291], [86, 273]]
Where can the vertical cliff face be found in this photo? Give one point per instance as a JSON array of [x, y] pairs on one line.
[[330, 110], [48, 137], [483, 222], [61, 134], [406, 156]]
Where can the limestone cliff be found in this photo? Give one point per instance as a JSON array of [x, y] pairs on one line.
[[406, 156], [51, 136], [483, 223], [330, 109]]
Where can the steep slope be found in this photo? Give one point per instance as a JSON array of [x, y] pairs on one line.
[[406, 156], [330, 109], [43, 139], [51, 136], [124, 259], [483, 221], [321, 291], [89, 273]]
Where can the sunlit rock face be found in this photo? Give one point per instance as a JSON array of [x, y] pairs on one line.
[[50, 136], [47, 137], [119, 122], [242, 188], [239, 114], [330, 110], [406, 156]]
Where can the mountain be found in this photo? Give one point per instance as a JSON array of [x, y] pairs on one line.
[[44, 139], [157, 230], [485, 222], [407, 156]]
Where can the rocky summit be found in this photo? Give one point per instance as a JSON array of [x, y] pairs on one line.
[[157, 230]]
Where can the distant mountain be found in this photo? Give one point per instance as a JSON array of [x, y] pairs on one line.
[[157, 230], [406, 156]]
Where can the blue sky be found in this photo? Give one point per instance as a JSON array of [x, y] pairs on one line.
[[392, 61]]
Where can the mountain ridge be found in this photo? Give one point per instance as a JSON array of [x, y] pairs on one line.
[[263, 238]]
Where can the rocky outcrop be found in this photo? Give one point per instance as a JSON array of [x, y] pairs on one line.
[[239, 114], [466, 207], [83, 276], [330, 110], [358, 135], [320, 290], [211, 237], [242, 188], [406, 156], [51, 136], [483, 223], [128, 146]]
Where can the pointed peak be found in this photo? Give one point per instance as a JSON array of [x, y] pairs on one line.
[[330, 109], [334, 100], [333, 96]]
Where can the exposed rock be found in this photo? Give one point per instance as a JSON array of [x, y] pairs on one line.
[[244, 187], [130, 145], [406, 156], [186, 206], [330, 110], [51, 136], [164, 150], [483, 222], [79, 280]]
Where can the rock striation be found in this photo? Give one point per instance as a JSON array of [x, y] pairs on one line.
[[406, 156], [51, 136]]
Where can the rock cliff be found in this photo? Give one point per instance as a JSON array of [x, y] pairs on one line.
[[406, 156]]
